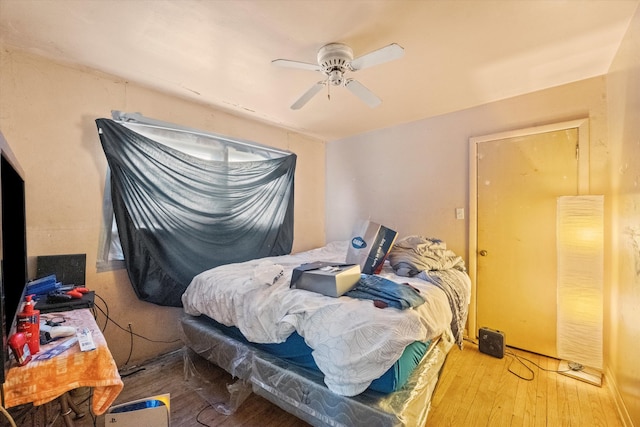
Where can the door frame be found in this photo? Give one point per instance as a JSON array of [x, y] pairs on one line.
[[582, 125]]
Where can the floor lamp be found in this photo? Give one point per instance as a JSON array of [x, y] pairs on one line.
[[580, 278]]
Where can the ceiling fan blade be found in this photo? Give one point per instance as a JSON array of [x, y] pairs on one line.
[[359, 90], [296, 64], [308, 95], [380, 56]]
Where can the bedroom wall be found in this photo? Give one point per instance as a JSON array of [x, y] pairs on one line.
[[413, 177], [623, 94], [47, 113]]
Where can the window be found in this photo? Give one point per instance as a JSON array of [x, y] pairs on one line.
[[110, 256], [192, 142]]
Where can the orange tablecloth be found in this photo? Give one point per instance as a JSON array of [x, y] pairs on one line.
[[41, 381]]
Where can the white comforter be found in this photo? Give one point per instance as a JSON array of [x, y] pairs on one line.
[[353, 342]]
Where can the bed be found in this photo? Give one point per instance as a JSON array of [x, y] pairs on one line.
[[330, 361]]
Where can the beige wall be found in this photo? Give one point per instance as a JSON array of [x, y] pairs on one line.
[[413, 177], [47, 113], [623, 94]]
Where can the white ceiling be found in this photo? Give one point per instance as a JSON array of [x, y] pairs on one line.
[[458, 54]]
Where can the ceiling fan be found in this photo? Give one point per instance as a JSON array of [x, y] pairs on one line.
[[334, 60]]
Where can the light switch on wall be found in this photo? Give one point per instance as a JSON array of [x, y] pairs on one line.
[[459, 213]]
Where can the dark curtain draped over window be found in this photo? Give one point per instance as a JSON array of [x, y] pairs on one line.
[[178, 215]]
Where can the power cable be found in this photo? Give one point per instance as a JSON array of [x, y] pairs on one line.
[[522, 359], [106, 314], [12, 423]]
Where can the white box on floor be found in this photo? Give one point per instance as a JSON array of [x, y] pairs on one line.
[[149, 412]]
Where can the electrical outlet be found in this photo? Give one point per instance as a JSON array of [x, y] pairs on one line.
[[459, 213]]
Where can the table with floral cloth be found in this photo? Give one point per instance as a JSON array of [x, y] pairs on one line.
[[41, 381]]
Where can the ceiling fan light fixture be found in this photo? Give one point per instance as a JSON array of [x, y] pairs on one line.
[[336, 77], [334, 60], [335, 56]]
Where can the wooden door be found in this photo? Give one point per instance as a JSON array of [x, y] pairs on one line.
[[518, 179]]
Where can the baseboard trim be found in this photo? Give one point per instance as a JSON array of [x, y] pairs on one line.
[[610, 381]]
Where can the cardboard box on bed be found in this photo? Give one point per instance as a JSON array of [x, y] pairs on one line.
[[331, 279], [369, 246]]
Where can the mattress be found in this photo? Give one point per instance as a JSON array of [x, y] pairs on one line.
[[301, 391], [297, 352]]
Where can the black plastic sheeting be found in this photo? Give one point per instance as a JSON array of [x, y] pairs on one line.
[[179, 215]]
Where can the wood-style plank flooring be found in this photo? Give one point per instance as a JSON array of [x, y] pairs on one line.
[[474, 390]]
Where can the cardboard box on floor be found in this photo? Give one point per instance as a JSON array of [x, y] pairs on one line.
[[149, 412]]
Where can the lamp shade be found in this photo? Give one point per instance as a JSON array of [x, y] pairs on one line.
[[580, 249]]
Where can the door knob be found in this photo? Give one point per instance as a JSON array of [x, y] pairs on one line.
[[483, 253]]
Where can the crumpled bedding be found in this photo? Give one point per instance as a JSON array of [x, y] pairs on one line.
[[430, 260], [459, 297], [414, 254], [353, 342]]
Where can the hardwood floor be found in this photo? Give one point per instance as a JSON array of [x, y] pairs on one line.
[[474, 390], [479, 390]]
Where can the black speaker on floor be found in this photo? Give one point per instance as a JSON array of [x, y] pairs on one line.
[[491, 342]]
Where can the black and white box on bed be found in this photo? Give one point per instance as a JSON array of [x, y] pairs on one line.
[[354, 360]]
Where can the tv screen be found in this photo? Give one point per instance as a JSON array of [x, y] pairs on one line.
[[13, 246]]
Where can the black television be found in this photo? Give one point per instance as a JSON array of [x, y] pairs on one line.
[[13, 246]]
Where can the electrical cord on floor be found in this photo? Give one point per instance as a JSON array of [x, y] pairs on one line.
[[7, 415], [522, 359], [208, 406], [519, 359], [20, 412]]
